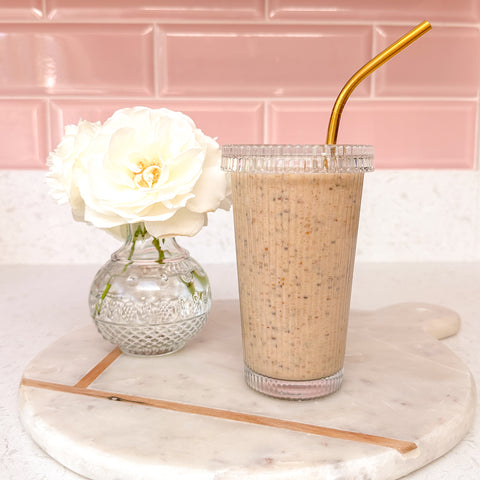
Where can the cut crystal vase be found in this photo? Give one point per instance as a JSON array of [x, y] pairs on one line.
[[151, 297]]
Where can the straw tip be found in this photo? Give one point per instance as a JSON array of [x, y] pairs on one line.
[[426, 24]]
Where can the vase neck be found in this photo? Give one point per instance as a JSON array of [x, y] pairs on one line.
[[141, 246]]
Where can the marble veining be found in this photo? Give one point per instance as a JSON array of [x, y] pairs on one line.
[[400, 382]]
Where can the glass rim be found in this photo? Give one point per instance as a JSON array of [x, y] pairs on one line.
[[297, 158]]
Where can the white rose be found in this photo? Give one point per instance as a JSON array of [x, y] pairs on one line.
[[65, 163], [151, 166]]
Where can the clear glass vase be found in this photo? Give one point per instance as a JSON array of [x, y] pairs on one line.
[[151, 297]]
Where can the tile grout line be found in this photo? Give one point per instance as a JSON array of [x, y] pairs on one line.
[[401, 446], [265, 21], [233, 99]]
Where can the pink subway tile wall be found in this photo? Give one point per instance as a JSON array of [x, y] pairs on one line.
[[444, 63], [246, 71], [21, 10], [23, 133], [214, 117], [261, 61], [378, 10], [156, 10], [73, 59], [420, 133]]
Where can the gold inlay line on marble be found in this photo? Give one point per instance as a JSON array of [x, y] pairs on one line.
[[401, 446], [99, 368]]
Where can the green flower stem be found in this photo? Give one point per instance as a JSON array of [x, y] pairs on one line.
[[161, 253], [201, 278], [158, 244], [98, 308], [105, 292], [140, 231], [161, 258], [190, 286]]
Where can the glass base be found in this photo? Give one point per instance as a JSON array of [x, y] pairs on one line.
[[293, 389], [152, 340]]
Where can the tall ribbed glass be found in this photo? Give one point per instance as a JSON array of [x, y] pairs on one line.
[[296, 213]]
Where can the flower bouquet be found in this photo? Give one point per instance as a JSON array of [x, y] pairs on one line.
[[144, 176]]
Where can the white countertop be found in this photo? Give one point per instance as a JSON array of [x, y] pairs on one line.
[[29, 295]]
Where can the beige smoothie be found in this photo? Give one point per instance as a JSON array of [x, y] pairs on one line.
[[295, 239]]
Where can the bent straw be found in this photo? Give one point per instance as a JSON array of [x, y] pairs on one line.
[[366, 70]]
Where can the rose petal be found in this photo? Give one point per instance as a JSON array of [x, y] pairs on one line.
[[184, 222], [140, 165], [102, 220], [209, 190]]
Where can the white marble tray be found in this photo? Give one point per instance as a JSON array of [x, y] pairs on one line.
[[170, 417]]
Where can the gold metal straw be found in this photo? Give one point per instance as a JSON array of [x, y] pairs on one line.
[[366, 70]]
